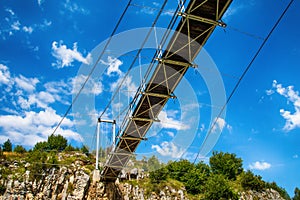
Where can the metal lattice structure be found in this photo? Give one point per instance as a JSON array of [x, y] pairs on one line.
[[197, 23]]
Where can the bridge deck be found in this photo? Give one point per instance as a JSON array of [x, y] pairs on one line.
[[197, 23]]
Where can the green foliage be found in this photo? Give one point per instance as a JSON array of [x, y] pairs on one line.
[[19, 149], [226, 164], [37, 160], [57, 142], [40, 146], [158, 175], [196, 178], [217, 187], [70, 148], [249, 181], [53, 143], [153, 164], [1, 152], [296, 194], [7, 146], [84, 149], [283, 193], [179, 170], [52, 160]]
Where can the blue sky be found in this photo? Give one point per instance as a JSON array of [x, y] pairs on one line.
[[47, 48]]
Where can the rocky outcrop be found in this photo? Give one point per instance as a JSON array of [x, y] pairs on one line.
[[59, 184], [268, 194], [135, 192]]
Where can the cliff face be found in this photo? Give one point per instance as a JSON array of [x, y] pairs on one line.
[[75, 182], [67, 182]]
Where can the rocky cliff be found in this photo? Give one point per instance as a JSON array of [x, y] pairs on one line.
[[76, 181]]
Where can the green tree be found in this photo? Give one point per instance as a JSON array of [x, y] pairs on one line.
[[158, 175], [180, 169], [296, 194], [19, 149], [57, 142], [7, 146], [40, 146], [153, 164], [227, 164], [70, 148], [249, 181], [196, 178], [84, 149], [1, 151], [217, 187]]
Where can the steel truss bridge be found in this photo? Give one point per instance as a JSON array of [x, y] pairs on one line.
[[197, 23]]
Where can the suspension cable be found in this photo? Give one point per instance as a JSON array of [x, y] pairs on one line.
[[162, 43], [243, 75], [93, 69], [134, 60]]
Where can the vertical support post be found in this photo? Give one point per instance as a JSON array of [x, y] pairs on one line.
[[114, 133], [97, 144]]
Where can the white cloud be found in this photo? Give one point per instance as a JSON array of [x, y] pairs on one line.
[[91, 87], [237, 8], [128, 88], [58, 87], [168, 122], [260, 165], [35, 126], [113, 66], [168, 13], [23, 103], [4, 74], [229, 128], [28, 29], [40, 2], [10, 111], [219, 124], [10, 11], [75, 8], [16, 26], [28, 127], [202, 127], [269, 92], [292, 119], [27, 84], [46, 23], [66, 56], [168, 149], [171, 134]]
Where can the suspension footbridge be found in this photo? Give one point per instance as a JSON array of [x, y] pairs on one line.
[[197, 22]]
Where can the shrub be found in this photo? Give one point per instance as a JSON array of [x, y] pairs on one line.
[[217, 187], [249, 181], [19, 149], [158, 175]]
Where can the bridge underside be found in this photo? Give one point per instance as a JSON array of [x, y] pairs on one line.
[[197, 23]]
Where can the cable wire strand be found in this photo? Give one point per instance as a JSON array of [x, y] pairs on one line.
[[243, 75], [134, 60], [93, 69]]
